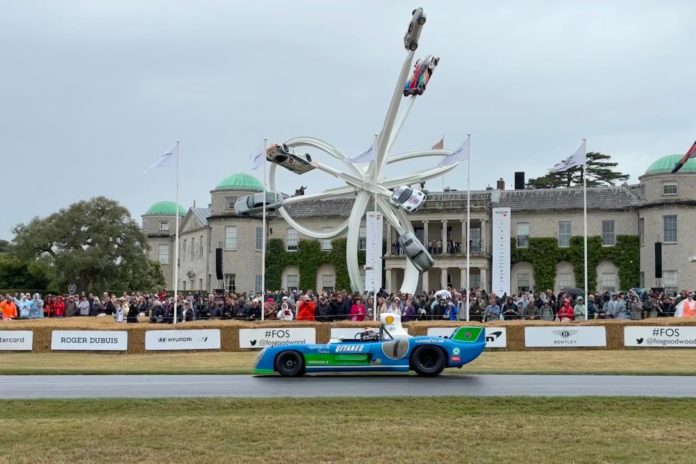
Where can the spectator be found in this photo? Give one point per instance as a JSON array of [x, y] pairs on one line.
[[97, 307], [688, 308], [357, 310], [510, 310], [546, 311], [634, 307], [452, 311], [285, 312], [618, 309], [566, 312], [533, 313], [8, 308], [492, 311], [591, 307], [475, 310], [119, 314], [83, 306], [409, 312], [270, 309], [580, 309], [306, 308], [58, 306], [36, 310]]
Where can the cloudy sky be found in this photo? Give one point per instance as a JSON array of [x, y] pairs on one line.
[[93, 91]]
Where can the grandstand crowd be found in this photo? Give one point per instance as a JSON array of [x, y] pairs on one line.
[[447, 304]]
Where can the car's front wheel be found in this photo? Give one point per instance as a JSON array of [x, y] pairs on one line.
[[428, 361], [289, 364]]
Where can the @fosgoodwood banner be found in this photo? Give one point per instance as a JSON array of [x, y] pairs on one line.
[[208, 339], [261, 338], [496, 337], [564, 337], [89, 340], [16, 340], [660, 336]]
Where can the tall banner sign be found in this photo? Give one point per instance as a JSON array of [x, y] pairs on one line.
[[501, 251], [373, 251]]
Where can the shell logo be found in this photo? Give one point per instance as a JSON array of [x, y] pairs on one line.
[[389, 319]]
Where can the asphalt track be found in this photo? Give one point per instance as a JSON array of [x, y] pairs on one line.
[[244, 386]]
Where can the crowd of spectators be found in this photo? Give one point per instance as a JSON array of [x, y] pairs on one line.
[[308, 305]]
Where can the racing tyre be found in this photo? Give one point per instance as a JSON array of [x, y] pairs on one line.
[[428, 361], [289, 364]]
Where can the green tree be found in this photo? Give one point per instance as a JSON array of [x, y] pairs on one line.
[[4, 246], [94, 244], [600, 172], [18, 275]]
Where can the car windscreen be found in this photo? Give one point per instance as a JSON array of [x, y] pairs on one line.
[[405, 195]]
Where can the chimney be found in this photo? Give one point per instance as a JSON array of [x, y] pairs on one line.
[[500, 184]]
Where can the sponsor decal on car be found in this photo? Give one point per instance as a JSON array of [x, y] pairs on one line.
[[350, 348]]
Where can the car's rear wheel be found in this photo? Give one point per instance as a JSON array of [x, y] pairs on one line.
[[428, 361], [289, 364]]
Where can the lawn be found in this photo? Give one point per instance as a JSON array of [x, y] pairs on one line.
[[394, 430], [657, 362]]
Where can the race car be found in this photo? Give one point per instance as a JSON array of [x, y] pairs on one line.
[[407, 198], [253, 203], [414, 29], [376, 351], [422, 72], [415, 251], [282, 155]]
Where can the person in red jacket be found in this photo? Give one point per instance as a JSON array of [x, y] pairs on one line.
[[357, 311], [566, 312], [305, 308], [58, 307], [8, 309]]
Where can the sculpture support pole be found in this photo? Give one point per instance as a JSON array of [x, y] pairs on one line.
[[356, 215]]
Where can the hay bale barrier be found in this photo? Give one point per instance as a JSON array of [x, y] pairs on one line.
[[230, 341]]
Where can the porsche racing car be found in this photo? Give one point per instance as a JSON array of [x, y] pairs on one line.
[[375, 351], [282, 155], [422, 72]]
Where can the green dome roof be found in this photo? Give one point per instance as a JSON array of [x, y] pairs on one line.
[[165, 208], [665, 165], [243, 182]]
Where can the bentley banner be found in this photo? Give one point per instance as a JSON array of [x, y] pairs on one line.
[[565, 337]]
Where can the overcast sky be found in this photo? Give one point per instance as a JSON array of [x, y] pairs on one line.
[[93, 91]]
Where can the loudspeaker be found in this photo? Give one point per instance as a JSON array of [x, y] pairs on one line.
[[658, 260], [519, 180], [218, 263]]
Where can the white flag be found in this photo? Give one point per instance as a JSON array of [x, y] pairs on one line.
[[578, 159], [166, 159], [460, 154], [257, 159], [364, 157]]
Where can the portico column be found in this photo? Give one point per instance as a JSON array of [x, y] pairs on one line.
[[462, 247], [483, 272], [444, 236], [443, 277], [484, 234], [388, 280], [462, 278], [425, 234], [426, 281]]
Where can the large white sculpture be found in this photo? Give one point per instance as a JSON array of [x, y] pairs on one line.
[[367, 180]]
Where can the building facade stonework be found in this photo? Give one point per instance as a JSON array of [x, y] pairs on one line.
[[660, 208]]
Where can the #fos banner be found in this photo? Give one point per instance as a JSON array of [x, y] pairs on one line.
[[373, 251], [208, 339], [16, 340], [564, 337], [501, 251], [496, 337], [89, 340], [261, 338], [660, 337]]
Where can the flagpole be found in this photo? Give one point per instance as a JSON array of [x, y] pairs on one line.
[[584, 201], [176, 236], [468, 226], [263, 238]]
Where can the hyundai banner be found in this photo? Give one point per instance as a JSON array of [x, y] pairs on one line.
[[565, 337], [496, 337], [261, 338], [89, 340], [16, 340], [660, 337], [161, 340]]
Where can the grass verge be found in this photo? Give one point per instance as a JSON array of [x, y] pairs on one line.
[[381, 430], [654, 362]]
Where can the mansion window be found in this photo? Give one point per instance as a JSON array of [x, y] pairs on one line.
[[259, 238], [292, 239], [669, 226], [258, 283], [641, 231], [608, 235], [292, 281], [608, 281], [231, 238], [669, 188], [522, 235], [670, 281], [326, 243], [163, 253], [230, 283], [164, 226], [564, 234], [523, 282], [328, 282]]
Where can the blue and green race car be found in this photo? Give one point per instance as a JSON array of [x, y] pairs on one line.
[[375, 351]]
